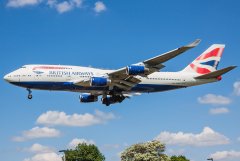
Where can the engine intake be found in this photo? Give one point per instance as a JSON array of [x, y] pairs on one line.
[[85, 98], [99, 81], [136, 70]]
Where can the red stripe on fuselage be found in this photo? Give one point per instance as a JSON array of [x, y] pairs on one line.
[[48, 67]]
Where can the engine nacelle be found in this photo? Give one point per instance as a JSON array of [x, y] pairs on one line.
[[99, 81], [85, 98], [136, 70]]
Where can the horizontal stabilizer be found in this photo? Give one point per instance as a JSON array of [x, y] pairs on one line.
[[216, 73]]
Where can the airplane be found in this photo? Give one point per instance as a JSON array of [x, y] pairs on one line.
[[116, 85]]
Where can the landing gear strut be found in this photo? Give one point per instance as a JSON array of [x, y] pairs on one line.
[[29, 93]]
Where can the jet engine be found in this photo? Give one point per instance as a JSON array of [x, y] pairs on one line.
[[99, 81], [85, 98], [136, 70]]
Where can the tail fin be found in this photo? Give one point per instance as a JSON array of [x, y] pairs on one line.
[[207, 62]]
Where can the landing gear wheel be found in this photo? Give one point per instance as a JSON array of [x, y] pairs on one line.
[[29, 93], [29, 96]]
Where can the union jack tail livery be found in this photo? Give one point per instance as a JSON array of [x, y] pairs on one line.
[[208, 61]]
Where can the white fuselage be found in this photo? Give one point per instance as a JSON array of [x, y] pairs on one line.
[[62, 77]]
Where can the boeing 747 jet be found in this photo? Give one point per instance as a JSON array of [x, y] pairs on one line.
[[113, 86]]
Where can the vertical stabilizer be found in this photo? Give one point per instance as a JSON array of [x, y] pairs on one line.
[[207, 62]]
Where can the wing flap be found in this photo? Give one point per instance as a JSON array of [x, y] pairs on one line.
[[122, 86], [126, 83], [217, 73]]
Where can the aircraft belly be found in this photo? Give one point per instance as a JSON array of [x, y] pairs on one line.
[[65, 86], [69, 86]]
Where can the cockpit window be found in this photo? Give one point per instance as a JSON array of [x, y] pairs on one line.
[[23, 67]]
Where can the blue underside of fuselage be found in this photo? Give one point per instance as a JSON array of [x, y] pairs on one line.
[[69, 86]]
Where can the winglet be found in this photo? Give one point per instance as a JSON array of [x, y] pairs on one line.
[[216, 73], [194, 44]]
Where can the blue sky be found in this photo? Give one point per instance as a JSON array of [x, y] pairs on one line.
[[113, 34]]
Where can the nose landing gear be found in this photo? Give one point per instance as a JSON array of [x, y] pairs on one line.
[[29, 93]]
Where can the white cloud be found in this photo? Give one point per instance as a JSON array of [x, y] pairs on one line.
[[214, 99], [207, 137], [217, 111], [45, 157], [51, 3], [226, 155], [64, 7], [37, 132], [45, 153], [22, 3], [38, 148], [175, 151], [60, 6], [99, 7], [81, 120], [77, 141], [236, 87], [77, 3]]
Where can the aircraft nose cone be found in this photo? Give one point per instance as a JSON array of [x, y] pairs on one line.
[[6, 78]]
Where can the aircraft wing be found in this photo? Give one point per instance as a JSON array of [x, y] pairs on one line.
[[171, 54], [125, 83], [82, 82], [121, 77]]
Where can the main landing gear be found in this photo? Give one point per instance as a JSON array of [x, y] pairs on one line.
[[111, 99], [29, 93]]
